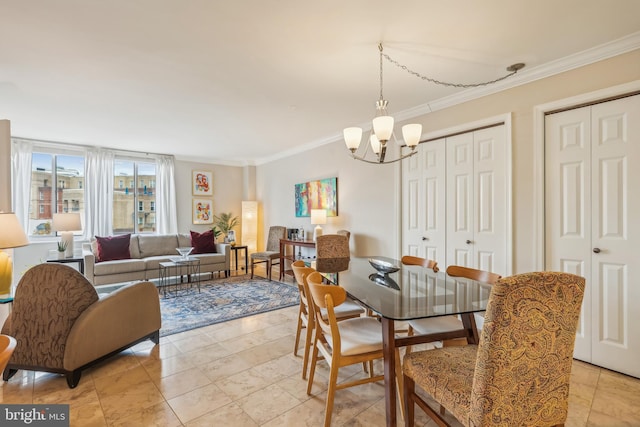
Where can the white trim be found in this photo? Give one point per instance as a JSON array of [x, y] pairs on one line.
[[527, 75], [539, 112]]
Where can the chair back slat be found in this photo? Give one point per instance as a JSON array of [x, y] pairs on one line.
[[426, 263], [473, 274]]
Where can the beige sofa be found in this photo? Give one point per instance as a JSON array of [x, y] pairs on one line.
[[147, 252]]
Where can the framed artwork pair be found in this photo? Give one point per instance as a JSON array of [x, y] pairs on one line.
[[202, 190]]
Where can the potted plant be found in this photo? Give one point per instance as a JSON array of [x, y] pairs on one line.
[[62, 247], [225, 222], [216, 233]]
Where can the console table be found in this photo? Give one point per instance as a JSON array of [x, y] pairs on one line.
[[283, 256]]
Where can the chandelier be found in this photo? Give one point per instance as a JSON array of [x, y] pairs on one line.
[[382, 124]]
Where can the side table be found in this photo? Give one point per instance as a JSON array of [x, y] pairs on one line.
[[235, 249], [177, 268], [79, 260]]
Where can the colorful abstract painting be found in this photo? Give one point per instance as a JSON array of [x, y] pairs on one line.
[[321, 194]]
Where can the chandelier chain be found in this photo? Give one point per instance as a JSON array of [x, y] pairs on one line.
[[438, 82]]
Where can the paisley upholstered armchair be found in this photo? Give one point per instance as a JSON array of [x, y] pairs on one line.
[[62, 326]]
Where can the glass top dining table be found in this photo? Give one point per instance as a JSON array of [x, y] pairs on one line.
[[411, 292]]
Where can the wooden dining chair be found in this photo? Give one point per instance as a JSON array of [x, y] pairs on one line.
[[306, 319], [426, 263], [343, 343], [519, 373], [450, 323]]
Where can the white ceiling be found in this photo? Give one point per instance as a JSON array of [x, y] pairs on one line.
[[247, 81]]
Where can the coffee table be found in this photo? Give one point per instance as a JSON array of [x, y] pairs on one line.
[[171, 274]]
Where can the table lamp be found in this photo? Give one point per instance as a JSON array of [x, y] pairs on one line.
[[318, 217], [66, 224], [11, 236]]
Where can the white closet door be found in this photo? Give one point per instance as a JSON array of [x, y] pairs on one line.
[[424, 207], [490, 200], [592, 176], [460, 200], [568, 206], [615, 231]]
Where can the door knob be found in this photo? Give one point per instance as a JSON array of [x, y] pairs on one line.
[[468, 242], [596, 250], [424, 238]]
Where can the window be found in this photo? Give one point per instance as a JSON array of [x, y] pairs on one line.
[[67, 171], [152, 206], [121, 184], [128, 204], [79, 184]]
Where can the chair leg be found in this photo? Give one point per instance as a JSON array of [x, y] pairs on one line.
[[408, 389], [331, 392], [269, 269], [314, 361], [252, 266], [73, 378], [296, 343], [399, 382], [307, 348]]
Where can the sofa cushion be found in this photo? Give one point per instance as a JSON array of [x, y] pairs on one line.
[[184, 240], [153, 262], [154, 245], [118, 267], [206, 259], [113, 248], [203, 243]]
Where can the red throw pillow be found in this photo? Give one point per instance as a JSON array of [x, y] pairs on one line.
[[203, 243], [113, 248]]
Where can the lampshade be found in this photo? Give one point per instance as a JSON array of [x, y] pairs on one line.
[[66, 222], [411, 134], [383, 127], [11, 233], [250, 225], [318, 216], [11, 236], [375, 144], [352, 137]]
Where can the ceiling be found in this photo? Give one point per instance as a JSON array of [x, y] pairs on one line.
[[248, 81]]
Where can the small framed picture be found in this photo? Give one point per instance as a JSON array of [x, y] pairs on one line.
[[231, 236], [202, 211], [201, 183]]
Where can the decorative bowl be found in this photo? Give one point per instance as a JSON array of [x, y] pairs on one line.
[[184, 251], [383, 266]]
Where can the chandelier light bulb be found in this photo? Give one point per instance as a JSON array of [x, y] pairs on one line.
[[375, 144], [383, 128], [352, 137], [411, 134]]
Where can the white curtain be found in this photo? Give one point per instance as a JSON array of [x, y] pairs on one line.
[[166, 213], [21, 153], [98, 209]]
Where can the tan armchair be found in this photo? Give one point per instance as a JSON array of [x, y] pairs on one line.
[[62, 326]]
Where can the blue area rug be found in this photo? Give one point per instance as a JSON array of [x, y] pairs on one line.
[[224, 299]]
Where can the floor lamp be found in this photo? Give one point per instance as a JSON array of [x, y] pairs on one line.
[[11, 236]]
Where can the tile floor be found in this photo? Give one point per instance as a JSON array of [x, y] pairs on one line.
[[243, 373]]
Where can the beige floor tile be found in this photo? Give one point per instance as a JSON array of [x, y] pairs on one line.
[[307, 414], [196, 403], [267, 403], [158, 368], [230, 415], [162, 351], [130, 401], [265, 352], [56, 390], [119, 363], [278, 369], [160, 415], [242, 384], [225, 367], [182, 382], [193, 343], [89, 415]]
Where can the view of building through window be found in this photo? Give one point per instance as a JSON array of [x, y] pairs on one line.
[[134, 197], [47, 199]]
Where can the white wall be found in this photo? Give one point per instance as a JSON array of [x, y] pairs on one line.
[[367, 205]]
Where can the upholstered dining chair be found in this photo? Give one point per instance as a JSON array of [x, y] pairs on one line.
[[519, 373], [448, 323], [306, 318], [344, 233], [343, 343], [7, 346], [272, 252]]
